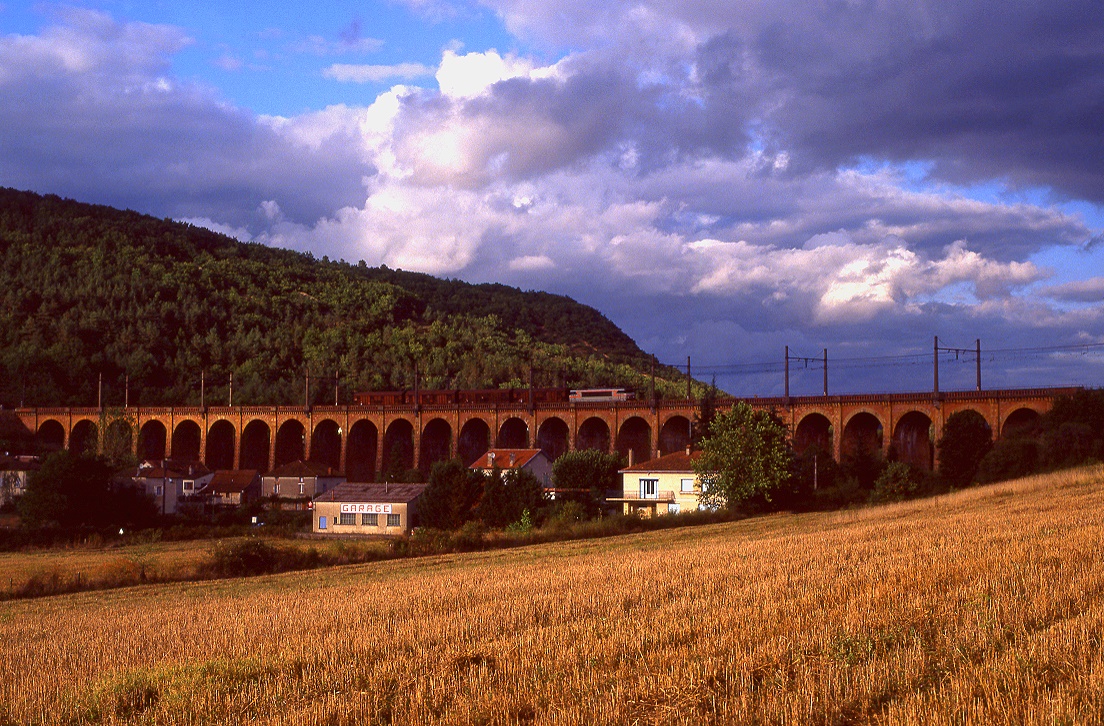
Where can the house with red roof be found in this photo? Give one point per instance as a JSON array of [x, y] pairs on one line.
[[667, 485], [232, 488], [533, 461]]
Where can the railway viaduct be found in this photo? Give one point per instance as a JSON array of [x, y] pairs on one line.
[[363, 441]]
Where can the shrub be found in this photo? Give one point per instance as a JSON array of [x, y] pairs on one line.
[[899, 481]]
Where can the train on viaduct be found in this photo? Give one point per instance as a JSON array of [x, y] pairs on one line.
[[377, 434]]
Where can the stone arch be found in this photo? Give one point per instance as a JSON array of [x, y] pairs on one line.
[[186, 440], [220, 446], [912, 439], [1022, 421], [634, 440], [674, 435], [554, 437], [398, 447], [862, 435], [256, 445], [436, 444], [475, 439], [594, 433], [50, 436], [84, 438], [291, 444], [814, 430], [152, 440], [513, 434], [326, 444], [360, 451]]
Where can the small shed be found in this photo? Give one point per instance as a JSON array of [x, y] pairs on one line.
[[358, 508]]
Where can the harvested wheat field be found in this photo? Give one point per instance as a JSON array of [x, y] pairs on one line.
[[985, 606]]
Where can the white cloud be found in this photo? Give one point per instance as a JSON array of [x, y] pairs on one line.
[[347, 73]]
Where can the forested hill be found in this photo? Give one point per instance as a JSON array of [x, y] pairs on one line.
[[86, 290]]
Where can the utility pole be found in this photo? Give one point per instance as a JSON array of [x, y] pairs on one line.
[[306, 389], [687, 378], [99, 394], [935, 357], [787, 373], [231, 401], [653, 383], [202, 389], [531, 403], [825, 376], [337, 381], [979, 364], [126, 392], [417, 398]]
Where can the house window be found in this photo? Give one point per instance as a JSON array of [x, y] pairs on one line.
[[321, 522], [348, 518], [673, 508], [649, 488], [393, 520], [276, 488], [369, 520], [189, 485], [687, 485], [158, 490], [302, 488]]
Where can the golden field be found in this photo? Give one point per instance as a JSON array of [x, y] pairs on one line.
[[985, 606]]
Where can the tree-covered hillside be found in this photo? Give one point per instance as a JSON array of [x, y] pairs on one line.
[[88, 290]]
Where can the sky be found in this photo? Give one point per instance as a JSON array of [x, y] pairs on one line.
[[721, 179]]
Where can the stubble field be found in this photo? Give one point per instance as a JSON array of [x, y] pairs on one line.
[[985, 606]]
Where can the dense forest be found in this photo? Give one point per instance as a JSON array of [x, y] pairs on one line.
[[155, 305]]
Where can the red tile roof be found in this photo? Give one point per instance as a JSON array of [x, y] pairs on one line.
[[230, 482], [679, 461], [505, 458], [303, 468]]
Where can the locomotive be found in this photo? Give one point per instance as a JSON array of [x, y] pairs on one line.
[[491, 396]]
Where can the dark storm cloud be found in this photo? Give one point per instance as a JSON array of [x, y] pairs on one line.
[[87, 113]]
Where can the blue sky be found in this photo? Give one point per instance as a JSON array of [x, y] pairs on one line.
[[722, 179]]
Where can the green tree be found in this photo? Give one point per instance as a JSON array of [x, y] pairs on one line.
[[586, 476], [77, 491], [451, 495], [965, 442], [507, 495], [747, 457]]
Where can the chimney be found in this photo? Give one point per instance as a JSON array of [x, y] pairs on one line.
[[490, 458], [513, 460], [631, 452], [688, 449]]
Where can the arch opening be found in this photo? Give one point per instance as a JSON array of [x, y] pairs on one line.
[[593, 434], [813, 431], [554, 438], [475, 439], [326, 444], [674, 435], [436, 444], [398, 449], [151, 441], [1021, 422], [84, 438], [220, 446], [360, 454], [256, 445], [291, 444], [50, 437], [634, 440], [912, 441], [862, 436], [186, 440], [513, 434]]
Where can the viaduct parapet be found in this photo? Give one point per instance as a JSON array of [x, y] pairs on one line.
[[365, 441]]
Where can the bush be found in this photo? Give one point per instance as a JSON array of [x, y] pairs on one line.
[[1009, 459], [252, 556], [965, 442], [898, 481]]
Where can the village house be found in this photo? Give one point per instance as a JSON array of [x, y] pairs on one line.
[[533, 461], [368, 509], [232, 488], [14, 473], [667, 485], [294, 485], [168, 482]]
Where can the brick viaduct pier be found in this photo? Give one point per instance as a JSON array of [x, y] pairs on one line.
[[363, 441]]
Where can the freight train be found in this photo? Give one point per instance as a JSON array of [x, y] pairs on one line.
[[492, 396]]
